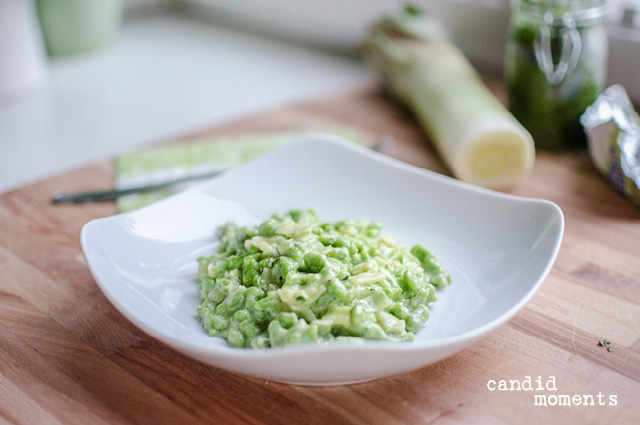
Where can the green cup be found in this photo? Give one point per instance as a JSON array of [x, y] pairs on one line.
[[73, 27]]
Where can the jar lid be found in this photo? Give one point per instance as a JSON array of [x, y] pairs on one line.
[[560, 10]]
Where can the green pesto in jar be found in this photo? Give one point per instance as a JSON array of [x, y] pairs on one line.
[[555, 67], [295, 279]]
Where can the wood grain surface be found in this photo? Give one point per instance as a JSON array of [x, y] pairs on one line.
[[67, 356]]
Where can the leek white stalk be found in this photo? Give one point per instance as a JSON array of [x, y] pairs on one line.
[[479, 140]]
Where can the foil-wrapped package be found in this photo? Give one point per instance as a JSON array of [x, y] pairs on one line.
[[613, 131]]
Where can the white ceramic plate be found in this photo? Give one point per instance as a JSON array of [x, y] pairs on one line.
[[498, 248]]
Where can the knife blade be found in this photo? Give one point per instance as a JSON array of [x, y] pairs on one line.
[[113, 194]]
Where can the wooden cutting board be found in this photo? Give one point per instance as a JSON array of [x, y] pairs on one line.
[[67, 356]]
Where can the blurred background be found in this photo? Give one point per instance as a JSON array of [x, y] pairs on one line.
[[150, 70]]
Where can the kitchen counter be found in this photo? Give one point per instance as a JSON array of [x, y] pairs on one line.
[[174, 71], [169, 72], [68, 356]]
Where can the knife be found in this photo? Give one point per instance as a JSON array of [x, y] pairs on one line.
[[113, 194]]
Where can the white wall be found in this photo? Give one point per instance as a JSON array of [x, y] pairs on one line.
[[478, 26]]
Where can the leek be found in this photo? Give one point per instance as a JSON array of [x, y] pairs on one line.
[[475, 135]]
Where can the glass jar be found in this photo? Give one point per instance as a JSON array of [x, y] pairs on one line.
[[555, 67]]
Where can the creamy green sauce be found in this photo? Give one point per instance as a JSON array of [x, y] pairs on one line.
[[294, 279]]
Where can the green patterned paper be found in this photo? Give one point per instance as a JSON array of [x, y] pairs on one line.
[[194, 157]]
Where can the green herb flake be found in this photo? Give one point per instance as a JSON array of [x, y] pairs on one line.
[[606, 343], [412, 9]]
